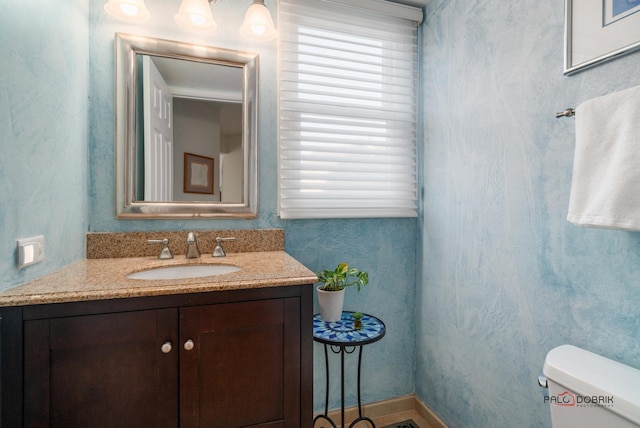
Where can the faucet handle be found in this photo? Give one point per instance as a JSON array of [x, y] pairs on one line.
[[218, 251], [165, 253]]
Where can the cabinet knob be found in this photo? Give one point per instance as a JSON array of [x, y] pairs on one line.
[[166, 347], [188, 345]]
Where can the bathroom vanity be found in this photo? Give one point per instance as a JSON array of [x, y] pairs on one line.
[[87, 346]]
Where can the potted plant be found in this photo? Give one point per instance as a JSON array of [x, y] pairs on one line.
[[331, 291], [357, 320]]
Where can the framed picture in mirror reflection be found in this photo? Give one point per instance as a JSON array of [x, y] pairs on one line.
[[198, 174]]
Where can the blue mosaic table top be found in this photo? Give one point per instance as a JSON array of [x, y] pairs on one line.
[[343, 332]]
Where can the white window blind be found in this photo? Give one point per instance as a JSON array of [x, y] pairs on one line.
[[347, 112]]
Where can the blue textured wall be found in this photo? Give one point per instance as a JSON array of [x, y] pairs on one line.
[[385, 247], [44, 93], [505, 278]]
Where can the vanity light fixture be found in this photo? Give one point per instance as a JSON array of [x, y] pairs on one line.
[[196, 15], [258, 24], [128, 10]]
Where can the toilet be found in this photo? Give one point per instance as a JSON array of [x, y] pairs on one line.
[[587, 390]]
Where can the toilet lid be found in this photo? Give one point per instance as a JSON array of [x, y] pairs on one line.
[[589, 374]]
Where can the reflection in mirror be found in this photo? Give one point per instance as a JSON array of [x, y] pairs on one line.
[[199, 111], [185, 130]]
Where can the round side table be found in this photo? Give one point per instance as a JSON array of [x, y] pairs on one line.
[[342, 338]]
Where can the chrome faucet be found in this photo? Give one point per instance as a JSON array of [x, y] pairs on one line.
[[193, 252], [219, 251], [165, 253]]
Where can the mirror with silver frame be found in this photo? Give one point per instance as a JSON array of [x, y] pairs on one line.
[[186, 130]]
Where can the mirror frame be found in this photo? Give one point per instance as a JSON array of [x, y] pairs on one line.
[[126, 48]]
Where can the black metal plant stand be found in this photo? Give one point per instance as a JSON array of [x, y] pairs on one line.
[[343, 338]]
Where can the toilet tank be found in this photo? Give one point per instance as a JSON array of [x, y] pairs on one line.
[[587, 390]]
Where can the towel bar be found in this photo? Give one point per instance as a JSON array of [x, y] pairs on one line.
[[567, 113]]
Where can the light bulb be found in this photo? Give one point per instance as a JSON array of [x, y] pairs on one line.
[[129, 9], [197, 19], [258, 29]]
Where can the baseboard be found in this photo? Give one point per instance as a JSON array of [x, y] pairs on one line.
[[389, 407], [428, 414]]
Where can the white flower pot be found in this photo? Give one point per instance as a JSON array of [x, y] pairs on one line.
[[331, 303]]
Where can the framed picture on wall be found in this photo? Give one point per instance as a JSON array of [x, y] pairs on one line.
[[599, 30], [198, 174]]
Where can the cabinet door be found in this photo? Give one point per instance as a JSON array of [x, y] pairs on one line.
[[102, 370], [244, 366]]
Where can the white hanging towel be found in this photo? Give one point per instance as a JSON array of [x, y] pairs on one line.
[[605, 187]]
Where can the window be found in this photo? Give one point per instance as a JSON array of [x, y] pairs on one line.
[[347, 110]]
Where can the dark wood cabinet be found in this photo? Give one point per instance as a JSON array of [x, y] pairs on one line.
[[108, 368], [222, 359], [234, 346]]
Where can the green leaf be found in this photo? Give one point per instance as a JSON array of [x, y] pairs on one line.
[[341, 277]]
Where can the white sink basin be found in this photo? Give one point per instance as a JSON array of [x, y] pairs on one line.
[[183, 272]]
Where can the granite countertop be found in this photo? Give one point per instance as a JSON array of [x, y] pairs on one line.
[[96, 279]]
